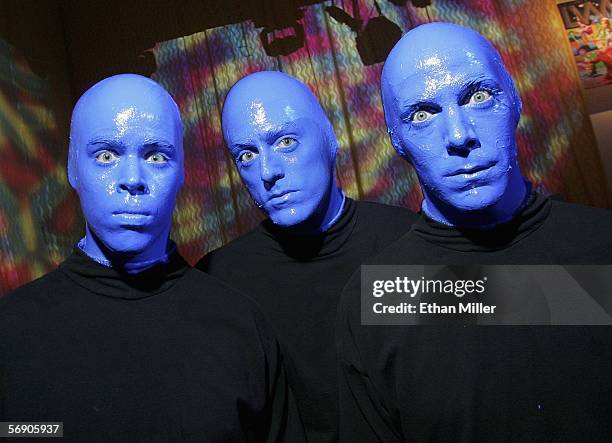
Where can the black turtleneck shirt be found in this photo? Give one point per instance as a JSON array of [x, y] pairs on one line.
[[170, 354], [481, 383], [297, 280]]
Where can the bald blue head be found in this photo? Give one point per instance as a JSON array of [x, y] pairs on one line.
[[452, 109], [285, 149], [126, 165]]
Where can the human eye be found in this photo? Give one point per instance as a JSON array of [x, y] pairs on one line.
[[156, 158], [106, 157], [421, 116], [246, 157], [480, 96], [286, 142]]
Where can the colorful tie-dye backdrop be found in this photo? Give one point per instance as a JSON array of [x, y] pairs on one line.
[[38, 220], [39, 217]]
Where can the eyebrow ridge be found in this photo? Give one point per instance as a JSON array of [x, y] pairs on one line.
[[268, 135], [412, 108]]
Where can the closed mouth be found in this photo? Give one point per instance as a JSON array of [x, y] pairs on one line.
[[127, 218], [471, 169], [136, 213], [279, 195]]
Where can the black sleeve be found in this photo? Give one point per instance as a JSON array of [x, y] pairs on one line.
[[206, 263], [363, 415]]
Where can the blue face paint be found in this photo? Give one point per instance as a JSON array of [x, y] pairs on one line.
[[452, 110], [285, 150], [126, 164]]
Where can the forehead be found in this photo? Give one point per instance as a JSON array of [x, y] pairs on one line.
[[427, 72], [119, 115], [248, 114]]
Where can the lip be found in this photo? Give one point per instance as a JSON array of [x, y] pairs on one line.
[[132, 217], [281, 198], [280, 195], [472, 169]]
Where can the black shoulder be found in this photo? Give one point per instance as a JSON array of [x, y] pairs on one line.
[[233, 252], [205, 295], [218, 291], [27, 304], [582, 217], [383, 212], [35, 292], [383, 223], [582, 233]]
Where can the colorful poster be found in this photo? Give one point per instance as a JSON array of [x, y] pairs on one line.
[[590, 34]]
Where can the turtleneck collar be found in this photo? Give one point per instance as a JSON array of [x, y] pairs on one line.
[[117, 283], [529, 219], [132, 267], [310, 246]]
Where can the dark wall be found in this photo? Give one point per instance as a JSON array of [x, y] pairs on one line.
[[36, 29], [109, 37]]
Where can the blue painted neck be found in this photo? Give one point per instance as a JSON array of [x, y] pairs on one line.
[[502, 211], [336, 208], [132, 265], [323, 219]]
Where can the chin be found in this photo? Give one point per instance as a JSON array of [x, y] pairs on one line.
[[289, 216], [128, 243], [479, 198]]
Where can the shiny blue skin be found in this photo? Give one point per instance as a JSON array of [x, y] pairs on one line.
[[452, 110], [126, 165], [285, 150]]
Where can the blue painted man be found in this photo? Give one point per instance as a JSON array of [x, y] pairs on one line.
[[452, 110], [124, 341], [296, 262]]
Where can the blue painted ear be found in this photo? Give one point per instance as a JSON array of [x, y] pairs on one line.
[[516, 98], [518, 105], [71, 170]]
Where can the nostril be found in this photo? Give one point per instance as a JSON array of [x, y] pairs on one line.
[[472, 144], [268, 185]]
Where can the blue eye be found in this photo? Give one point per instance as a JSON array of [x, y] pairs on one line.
[[479, 97], [286, 142], [157, 158], [106, 157]]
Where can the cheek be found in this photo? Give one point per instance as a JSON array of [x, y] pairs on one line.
[[163, 189], [426, 139], [94, 192], [252, 181], [96, 179], [423, 149], [496, 124], [314, 173]]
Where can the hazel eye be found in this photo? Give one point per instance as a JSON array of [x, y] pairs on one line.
[[479, 97], [286, 142], [106, 157], [157, 158], [421, 116], [246, 157]]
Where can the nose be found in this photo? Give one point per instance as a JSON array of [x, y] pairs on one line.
[[131, 177], [271, 169], [461, 138]]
